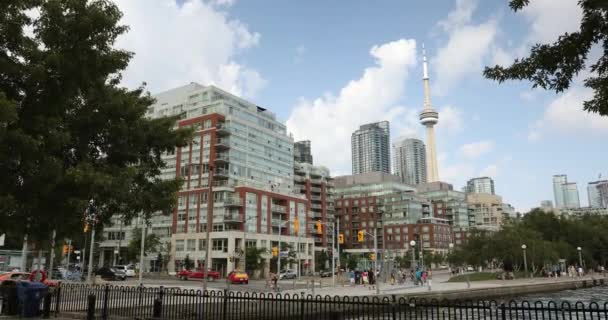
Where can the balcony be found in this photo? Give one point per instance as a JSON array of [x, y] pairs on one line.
[[315, 198], [222, 130], [222, 143], [316, 206], [317, 215], [279, 223], [233, 218], [299, 178], [221, 173], [222, 157], [315, 189], [278, 208], [230, 201]]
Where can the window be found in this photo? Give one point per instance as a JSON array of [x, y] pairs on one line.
[[219, 245], [251, 243], [179, 245], [202, 244], [191, 245], [263, 244]]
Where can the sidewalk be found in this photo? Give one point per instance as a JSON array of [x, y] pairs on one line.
[[439, 284]]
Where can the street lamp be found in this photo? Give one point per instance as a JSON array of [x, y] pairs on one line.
[[451, 246], [523, 247], [580, 256], [412, 247], [208, 225]]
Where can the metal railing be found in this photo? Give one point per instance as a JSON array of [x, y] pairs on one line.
[[109, 301]]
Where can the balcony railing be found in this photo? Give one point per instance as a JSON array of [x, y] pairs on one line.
[[222, 156], [316, 206], [279, 223], [222, 143], [222, 129], [230, 201], [315, 189], [278, 208]]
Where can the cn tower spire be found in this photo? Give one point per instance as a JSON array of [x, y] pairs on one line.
[[429, 118]]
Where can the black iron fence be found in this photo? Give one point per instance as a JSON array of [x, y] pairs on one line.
[[123, 302]]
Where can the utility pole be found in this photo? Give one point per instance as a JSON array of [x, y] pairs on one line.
[[91, 218], [209, 226], [333, 256], [24, 253], [69, 252], [50, 271], [376, 259], [141, 250]]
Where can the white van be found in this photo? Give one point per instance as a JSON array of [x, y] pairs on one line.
[[128, 270]]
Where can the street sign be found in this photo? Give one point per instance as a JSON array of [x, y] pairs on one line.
[[284, 254], [77, 251]]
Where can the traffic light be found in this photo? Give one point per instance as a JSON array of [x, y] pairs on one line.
[[341, 238], [372, 256], [296, 226], [86, 227], [361, 236], [275, 251], [319, 227], [66, 249]]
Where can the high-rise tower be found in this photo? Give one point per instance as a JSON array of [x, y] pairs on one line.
[[429, 118]]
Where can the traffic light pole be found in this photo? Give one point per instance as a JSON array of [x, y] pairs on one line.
[[69, 252], [50, 272], [333, 257], [376, 260]]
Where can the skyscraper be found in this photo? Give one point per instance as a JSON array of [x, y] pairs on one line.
[[603, 190], [429, 118], [571, 198], [370, 148], [558, 191], [481, 185], [594, 195], [301, 152], [410, 161]]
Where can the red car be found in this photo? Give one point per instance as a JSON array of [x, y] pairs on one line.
[[198, 274], [238, 277]]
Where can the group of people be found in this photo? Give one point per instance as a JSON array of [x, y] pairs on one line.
[[362, 277]]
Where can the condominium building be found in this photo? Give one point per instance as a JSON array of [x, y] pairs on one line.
[[246, 156], [571, 197], [558, 191], [594, 194], [481, 185], [302, 152], [371, 148], [603, 190], [488, 210], [410, 161], [317, 186]]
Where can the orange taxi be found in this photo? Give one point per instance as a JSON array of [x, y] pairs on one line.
[[238, 277]]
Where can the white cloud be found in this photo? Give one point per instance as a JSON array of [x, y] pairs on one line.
[[501, 57], [329, 120], [450, 120], [476, 149], [551, 18], [223, 2], [175, 45], [462, 56], [489, 171], [565, 115]]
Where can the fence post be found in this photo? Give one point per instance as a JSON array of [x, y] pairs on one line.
[[46, 311], [503, 311], [394, 307], [91, 307], [106, 296], [57, 301], [302, 305], [158, 303], [225, 306]]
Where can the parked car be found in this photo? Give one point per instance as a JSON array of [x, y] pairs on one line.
[[197, 274], [128, 270], [27, 276], [326, 273], [470, 268], [287, 274], [238, 277], [111, 274]]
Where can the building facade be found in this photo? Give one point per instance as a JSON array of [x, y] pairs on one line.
[[603, 191], [302, 152], [410, 161], [571, 197], [244, 155], [558, 191], [316, 185], [481, 185], [594, 194], [488, 210], [370, 146]]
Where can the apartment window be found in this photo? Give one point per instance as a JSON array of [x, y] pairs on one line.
[[263, 244], [191, 245], [219, 245], [202, 244], [251, 243], [179, 245]]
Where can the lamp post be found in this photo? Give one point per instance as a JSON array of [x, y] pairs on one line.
[[523, 248], [209, 226], [580, 256], [413, 248], [451, 247]]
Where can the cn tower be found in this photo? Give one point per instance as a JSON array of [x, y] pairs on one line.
[[429, 118]]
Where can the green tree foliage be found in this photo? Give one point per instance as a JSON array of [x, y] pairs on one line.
[[321, 258], [68, 131], [253, 259], [151, 244], [547, 237], [553, 66]]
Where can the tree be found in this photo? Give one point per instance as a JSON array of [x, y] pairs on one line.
[[188, 264], [151, 244], [553, 66], [68, 131], [321, 259], [253, 259]]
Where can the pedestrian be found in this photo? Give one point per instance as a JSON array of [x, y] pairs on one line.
[[392, 279], [372, 278], [429, 277], [365, 277], [275, 280]]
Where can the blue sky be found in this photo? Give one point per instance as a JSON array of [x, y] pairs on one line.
[[325, 67]]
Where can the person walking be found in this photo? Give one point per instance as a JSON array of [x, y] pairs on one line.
[[372, 278], [429, 277], [392, 279]]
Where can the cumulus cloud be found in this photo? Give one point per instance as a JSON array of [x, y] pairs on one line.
[[461, 56], [450, 120], [549, 19], [199, 44], [476, 149], [330, 119], [565, 115]]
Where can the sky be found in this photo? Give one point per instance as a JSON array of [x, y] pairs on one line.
[[326, 67]]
